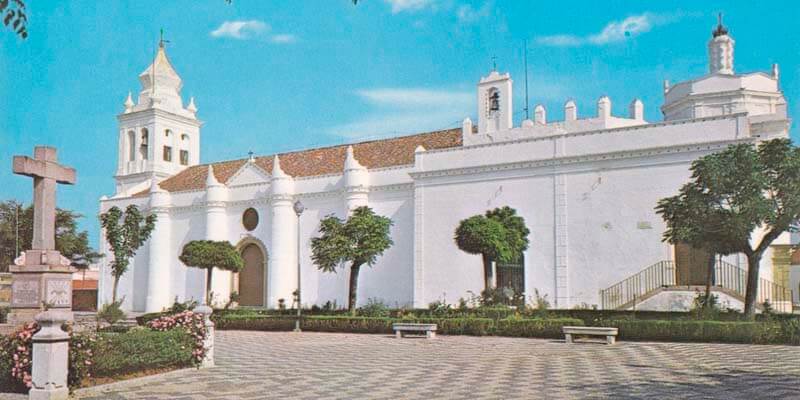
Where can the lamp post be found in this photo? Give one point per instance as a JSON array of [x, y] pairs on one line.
[[298, 209]]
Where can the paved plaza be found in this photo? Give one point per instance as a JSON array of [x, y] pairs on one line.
[[255, 365]]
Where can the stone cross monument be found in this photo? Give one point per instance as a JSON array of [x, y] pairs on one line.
[[41, 275]]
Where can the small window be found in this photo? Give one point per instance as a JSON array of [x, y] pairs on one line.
[[185, 137], [167, 153], [250, 219], [184, 157], [167, 133]]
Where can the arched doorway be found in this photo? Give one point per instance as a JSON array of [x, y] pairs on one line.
[[251, 279]]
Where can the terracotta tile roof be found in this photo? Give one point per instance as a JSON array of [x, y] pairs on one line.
[[84, 285], [322, 161]]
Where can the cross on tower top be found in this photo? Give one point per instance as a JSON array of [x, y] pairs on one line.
[[46, 173], [161, 40]]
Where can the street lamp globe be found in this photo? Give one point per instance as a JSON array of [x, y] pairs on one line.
[[298, 207]]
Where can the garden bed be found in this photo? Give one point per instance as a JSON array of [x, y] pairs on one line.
[[169, 343]]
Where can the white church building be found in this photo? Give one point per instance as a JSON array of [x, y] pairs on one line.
[[586, 186]]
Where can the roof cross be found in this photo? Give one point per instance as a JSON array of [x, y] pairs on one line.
[[161, 40]]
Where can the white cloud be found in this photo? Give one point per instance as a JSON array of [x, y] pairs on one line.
[[614, 31], [399, 6], [397, 111], [240, 29], [283, 38], [466, 14]]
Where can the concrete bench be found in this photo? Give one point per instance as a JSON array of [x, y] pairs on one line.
[[609, 333], [401, 329]]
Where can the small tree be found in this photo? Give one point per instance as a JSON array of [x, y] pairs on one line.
[[359, 240], [209, 254], [499, 235], [730, 195], [125, 234]]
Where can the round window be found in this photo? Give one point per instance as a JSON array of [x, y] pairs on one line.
[[250, 219]]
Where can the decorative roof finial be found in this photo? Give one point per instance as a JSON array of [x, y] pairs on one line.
[[192, 107], [129, 103], [211, 179], [721, 29], [494, 63], [161, 40]]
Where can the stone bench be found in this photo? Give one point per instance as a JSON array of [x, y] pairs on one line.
[[401, 329], [609, 333]]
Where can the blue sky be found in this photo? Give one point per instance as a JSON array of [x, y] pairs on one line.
[[273, 76]]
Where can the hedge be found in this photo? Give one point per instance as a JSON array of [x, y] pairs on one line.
[[253, 322], [141, 349], [765, 332], [539, 328], [445, 326]]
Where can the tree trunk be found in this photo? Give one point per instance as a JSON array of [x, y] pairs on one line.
[[351, 298], [710, 277], [487, 272], [208, 286], [114, 290], [753, 262]]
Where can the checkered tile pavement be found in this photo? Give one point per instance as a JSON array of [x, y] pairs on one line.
[[267, 365]]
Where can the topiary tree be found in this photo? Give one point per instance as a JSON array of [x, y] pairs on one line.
[[125, 234], [499, 235], [209, 254], [359, 240], [731, 194]]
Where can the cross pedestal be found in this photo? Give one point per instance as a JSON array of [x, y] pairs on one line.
[[41, 275]]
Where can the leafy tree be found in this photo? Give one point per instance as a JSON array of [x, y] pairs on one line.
[[208, 254], [732, 193], [499, 235], [359, 240], [125, 233], [16, 218], [15, 17]]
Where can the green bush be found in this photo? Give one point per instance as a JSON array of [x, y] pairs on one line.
[[254, 322], [460, 326], [539, 328], [111, 313], [784, 332], [141, 349], [348, 324], [373, 308]]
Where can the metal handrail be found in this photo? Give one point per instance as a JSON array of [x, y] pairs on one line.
[[732, 277], [663, 274], [660, 274]]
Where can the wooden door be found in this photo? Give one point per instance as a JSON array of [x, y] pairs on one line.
[[691, 265], [251, 279]]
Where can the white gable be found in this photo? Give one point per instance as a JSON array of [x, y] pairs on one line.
[[249, 174]]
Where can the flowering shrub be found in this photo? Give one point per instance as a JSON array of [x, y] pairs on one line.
[[81, 355], [191, 322], [177, 342], [19, 348]]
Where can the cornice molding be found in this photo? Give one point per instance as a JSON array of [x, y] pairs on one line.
[[573, 160]]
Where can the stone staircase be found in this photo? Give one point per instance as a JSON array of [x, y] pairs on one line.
[[661, 276]]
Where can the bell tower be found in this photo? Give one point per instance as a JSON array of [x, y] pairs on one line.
[[494, 103], [158, 136]]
